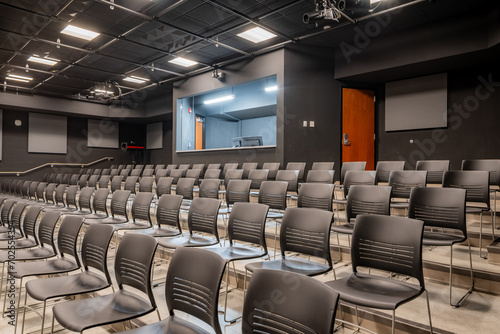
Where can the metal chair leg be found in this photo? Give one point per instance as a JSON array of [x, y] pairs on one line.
[[481, 237], [429, 311], [18, 304], [468, 293], [52, 327], [227, 292], [393, 327]]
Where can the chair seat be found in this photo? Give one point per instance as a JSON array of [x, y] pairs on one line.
[[475, 209], [187, 241], [340, 201], [19, 244], [31, 268], [28, 255], [95, 216], [75, 212], [375, 291], [159, 232], [132, 226], [344, 228], [109, 220], [441, 239], [296, 265], [4, 229], [400, 205], [234, 253], [171, 324], [274, 215], [78, 315], [46, 288]]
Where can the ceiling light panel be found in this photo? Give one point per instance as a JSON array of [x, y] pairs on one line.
[[257, 35], [183, 62], [44, 61], [80, 32]]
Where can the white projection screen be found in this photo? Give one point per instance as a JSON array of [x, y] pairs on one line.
[[102, 133], [47, 134], [154, 137], [419, 103]]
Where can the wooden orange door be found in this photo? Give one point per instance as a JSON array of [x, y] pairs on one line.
[[199, 133], [358, 126]]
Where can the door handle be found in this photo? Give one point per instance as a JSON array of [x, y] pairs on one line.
[[346, 140]]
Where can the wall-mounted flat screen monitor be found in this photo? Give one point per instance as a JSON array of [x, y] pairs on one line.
[[231, 117]]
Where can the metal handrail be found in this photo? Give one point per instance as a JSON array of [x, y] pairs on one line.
[[52, 164]]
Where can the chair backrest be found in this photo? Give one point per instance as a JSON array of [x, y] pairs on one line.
[[15, 216], [105, 171], [161, 173], [89, 171], [323, 165], [130, 183], [434, 168], [198, 166], [32, 190], [95, 247], [202, 216], [195, 174], [26, 189], [232, 174], [100, 200], [193, 282], [114, 172], [133, 262], [300, 166], [238, 191], [272, 167], [49, 192], [185, 187], [116, 183], [359, 177], [85, 198], [82, 181], [247, 167], [490, 165], [125, 172], [212, 174], [273, 194], [40, 190], [316, 195], [176, 174], [59, 195], [140, 167], [47, 227], [209, 188], [163, 186], [305, 305], [290, 176], [135, 172], [374, 200], [92, 182], [67, 237], [104, 181], [119, 203], [29, 221], [171, 167], [257, 176], [439, 207], [184, 168], [130, 166], [149, 166], [65, 178], [306, 231], [158, 167], [385, 167], [168, 210], [229, 166], [475, 182], [389, 243], [247, 222], [141, 207], [213, 166], [320, 176], [146, 184], [71, 196], [402, 181], [351, 165], [113, 167], [148, 172]]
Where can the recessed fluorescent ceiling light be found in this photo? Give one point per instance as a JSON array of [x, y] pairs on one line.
[[79, 32], [19, 78], [257, 35], [103, 91], [220, 99], [44, 61], [135, 79], [271, 88], [183, 62]]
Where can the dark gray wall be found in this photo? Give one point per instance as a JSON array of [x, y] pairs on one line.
[[473, 121], [17, 158], [312, 94], [163, 155]]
